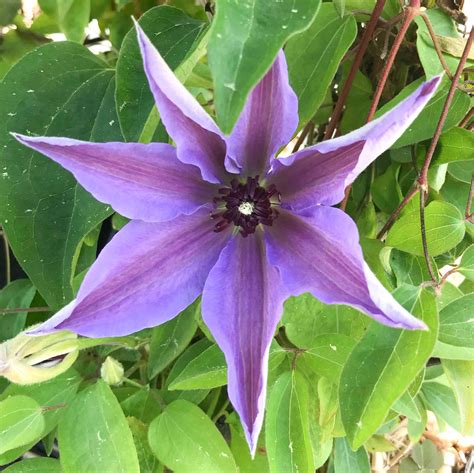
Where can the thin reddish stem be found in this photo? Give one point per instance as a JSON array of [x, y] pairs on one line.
[[24, 309], [364, 43], [424, 242], [468, 213], [423, 179], [409, 14], [391, 220], [465, 121], [436, 45], [304, 133]]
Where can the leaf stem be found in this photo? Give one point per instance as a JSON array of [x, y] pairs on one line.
[[131, 382], [364, 43], [465, 121], [468, 212], [24, 309], [305, 132], [423, 237], [432, 34], [391, 220], [8, 272]]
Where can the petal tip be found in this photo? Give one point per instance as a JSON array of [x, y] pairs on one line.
[[430, 86]]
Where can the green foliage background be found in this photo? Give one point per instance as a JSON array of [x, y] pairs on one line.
[[338, 381]]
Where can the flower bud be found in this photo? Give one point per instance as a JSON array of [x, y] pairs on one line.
[[111, 371], [28, 359]]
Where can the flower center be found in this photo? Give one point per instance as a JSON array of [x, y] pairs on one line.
[[246, 205], [246, 208]]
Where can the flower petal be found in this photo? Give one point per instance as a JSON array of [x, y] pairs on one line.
[[145, 276], [319, 174], [241, 304], [268, 121], [320, 253], [197, 137], [145, 182]]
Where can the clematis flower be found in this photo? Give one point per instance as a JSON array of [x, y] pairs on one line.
[[223, 217]]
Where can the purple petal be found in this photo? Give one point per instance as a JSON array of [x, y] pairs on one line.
[[145, 276], [197, 137], [145, 182], [242, 303], [268, 121], [319, 174], [320, 253]]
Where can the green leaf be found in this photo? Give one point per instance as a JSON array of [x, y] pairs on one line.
[[441, 401], [55, 395], [203, 366], [416, 428], [46, 214], [406, 406], [456, 330], [18, 293], [340, 6], [382, 366], [241, 452], [186, 441], [35, 465], [346, 460], [14, 45], [460, 375], [147, 461], [444, 225], [314, 56], [287, 427], [443, 25], [455, 145], [391, 8], [466, 266], [409, 269], [8, 11], [94, 434], [386, 190], [424, 126], [175, 35], [71, 15], [328, 354], [208, 370], [142, 405], [21, 421], [305, 318], [246, 37], [462, 171], [171, 338], [425, 458]]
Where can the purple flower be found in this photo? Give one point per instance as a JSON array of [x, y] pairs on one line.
[[220, 216]]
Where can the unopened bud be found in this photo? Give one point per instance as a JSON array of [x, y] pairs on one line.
[[111, 371], [28, 359]]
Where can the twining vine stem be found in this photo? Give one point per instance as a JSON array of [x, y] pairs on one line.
[[364, 43], [469, 215], [421, 183]]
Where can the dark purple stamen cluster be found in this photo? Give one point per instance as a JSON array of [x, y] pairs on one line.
[[246, 205]]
